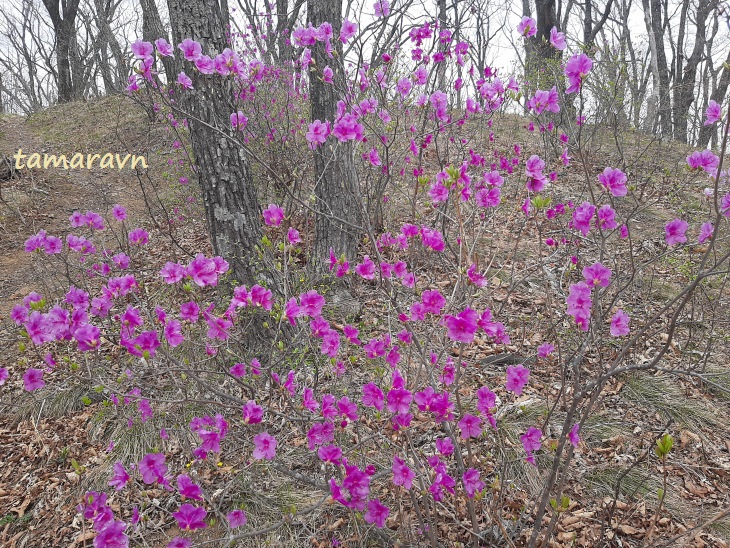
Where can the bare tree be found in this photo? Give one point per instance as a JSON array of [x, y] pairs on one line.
[[63, 16], [336, 184], [659, 106]]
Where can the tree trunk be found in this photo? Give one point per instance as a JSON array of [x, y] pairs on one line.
[[231, 205], [152, 29], [684, 87], [64, 29], [665, 108], [718, 95], [336, 190]]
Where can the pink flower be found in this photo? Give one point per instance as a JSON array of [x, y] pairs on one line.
[[706, 231], [444, 446], [403, 86], [191, 49], [317, 133], [713, 113], [620, 324], [544, 100], [377, 513], [330, 453], [366, 269], [33, 379], [190, 517], [112, 536], [179, 542], [597, 274], [236, 518], [141, 49], [399, 400], [557, 39], [705, 159], [327, 75], [573, 436], [189, 311], [461, 328], [382, 9], [3, 375], [184, 81], [402, 475], [545, 349], [292, 236], [606, 218], [172, 272], [470, 426], [253, 413], [348, 30], [188, 489], [119, 212], [527, 27], [153, 468], [472, 483], [674, 232], [531, 442], [87, 336], [238, 121], [120, 477], [265, 446], [139, 236], [517, 378], [372, 396], [320, 433], [576, 69], [582, 216], [163, 48], [347, 128], [579, 304], [614, 180], [273, 215]]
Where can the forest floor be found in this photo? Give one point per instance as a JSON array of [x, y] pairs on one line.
[[49, 458]]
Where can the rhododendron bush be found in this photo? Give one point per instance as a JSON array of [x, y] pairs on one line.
[[411, 417]]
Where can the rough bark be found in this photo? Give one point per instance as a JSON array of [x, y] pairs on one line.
[[63, 19], [686, 77], [660, 71], [152, 29], [231, 205], [336, 186]]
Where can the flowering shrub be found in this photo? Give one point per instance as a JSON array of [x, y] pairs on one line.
[[384, 417]]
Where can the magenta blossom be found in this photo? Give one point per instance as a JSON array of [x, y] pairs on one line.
[[184, 81], [377, 513], [544, 350], [557, 39], [675, 232], [120, 477], [620, 324], [402, 475], [531, 442], [706, 231], [470, 426], [614, 180], [317, 133], [265, 446], [236, 518], [190, 517], [33, 379], [576, 69], [527, 27], [517, 378], [188, 489], [273, 215], [573, 436], [461, 328], [191, 49], [164, 49], [713, 113], [597, 274], [3, 375], [153, 468], [119, 213], [238, 121], [139, 236], [472, 483]]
